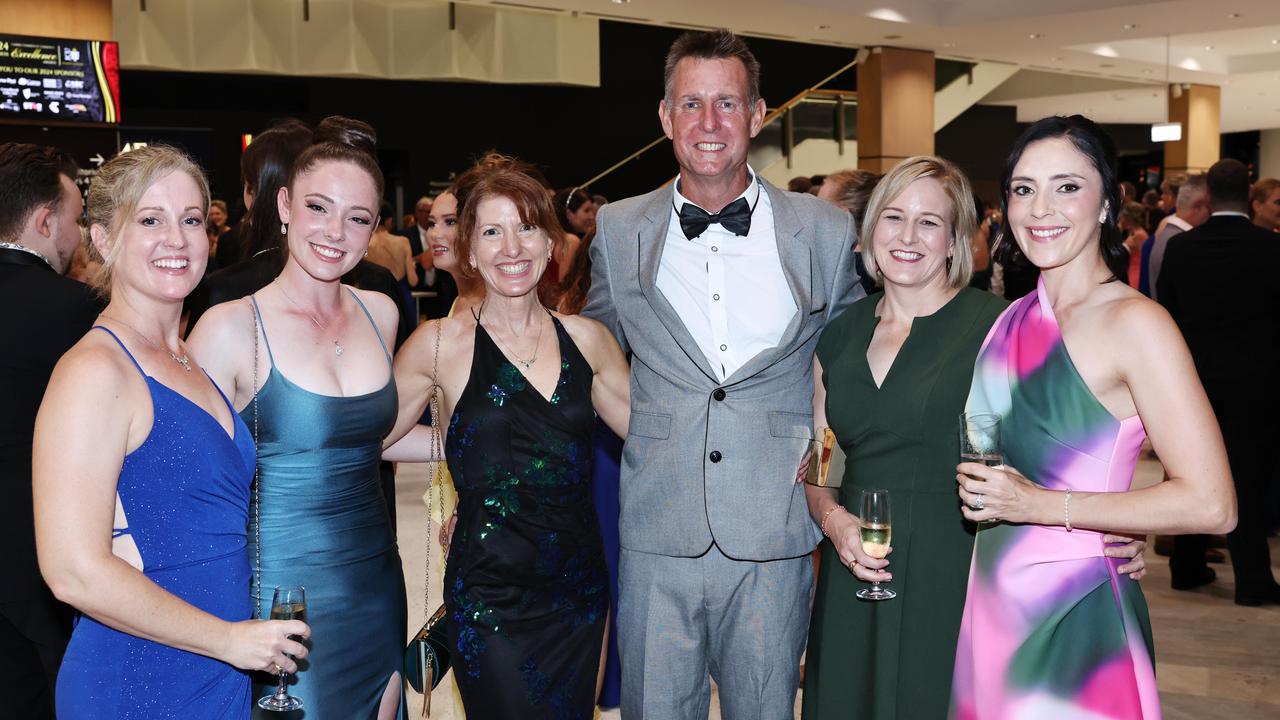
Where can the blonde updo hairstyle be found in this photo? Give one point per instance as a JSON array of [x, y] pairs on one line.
[[115, 193], [962, 224]]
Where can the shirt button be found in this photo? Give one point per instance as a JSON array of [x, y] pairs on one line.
[[715, 249], [716, 296], [718, 394], [715, 456], [723, 348]]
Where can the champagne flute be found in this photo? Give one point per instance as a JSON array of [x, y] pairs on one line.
[[289, 602], [876, 531]]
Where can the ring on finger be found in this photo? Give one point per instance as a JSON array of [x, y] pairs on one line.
[[853, 565], [978, 502]]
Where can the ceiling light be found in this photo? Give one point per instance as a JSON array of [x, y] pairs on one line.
[[1208, 47], [892, 37], [1106, 51], [1035, 36], [1232, 16], [1130, 26], [824, 27], [1189, 64], [887, 14], [948, 44], [1275, 42], [1166, 132], [621, 2]]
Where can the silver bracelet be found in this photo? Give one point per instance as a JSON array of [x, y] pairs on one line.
[[1066, 511]]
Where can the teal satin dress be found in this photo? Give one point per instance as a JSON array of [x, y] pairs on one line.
[[324, 525]]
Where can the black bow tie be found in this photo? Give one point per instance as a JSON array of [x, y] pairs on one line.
[[735, 217]]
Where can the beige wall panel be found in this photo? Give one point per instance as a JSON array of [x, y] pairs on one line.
[[895, 107], [81, 19], [1199, 109], [360, 38]]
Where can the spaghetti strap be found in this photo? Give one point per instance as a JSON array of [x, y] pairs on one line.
[[254, 299], [371, 322], [119, 342]]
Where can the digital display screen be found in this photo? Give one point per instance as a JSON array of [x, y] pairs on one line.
[[56, 79]]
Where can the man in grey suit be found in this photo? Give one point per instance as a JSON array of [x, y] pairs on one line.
[[719, 286]]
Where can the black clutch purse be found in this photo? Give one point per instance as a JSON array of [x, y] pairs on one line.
[[426, 657]]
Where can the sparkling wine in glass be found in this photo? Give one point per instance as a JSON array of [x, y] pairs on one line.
[[289, 602], [876, 530]]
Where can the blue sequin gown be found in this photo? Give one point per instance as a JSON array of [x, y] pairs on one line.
[[185, 494], [526, 586], [325, 526]]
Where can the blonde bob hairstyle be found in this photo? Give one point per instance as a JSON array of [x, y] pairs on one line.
[[963, 218], [116, 191]]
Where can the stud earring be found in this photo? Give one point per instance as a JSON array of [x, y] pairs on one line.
[[284, 228]]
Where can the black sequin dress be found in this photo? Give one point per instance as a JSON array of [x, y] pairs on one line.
[[526, 585]]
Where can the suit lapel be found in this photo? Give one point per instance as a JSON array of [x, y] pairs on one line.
[[651, 239]]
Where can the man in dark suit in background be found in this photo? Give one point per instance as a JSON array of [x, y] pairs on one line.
[[44, 315], [1217, 282]]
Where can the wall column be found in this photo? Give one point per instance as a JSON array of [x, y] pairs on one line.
[[1199, 109], [895, 107]]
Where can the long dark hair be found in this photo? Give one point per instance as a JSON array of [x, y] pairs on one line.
[[566, 201], [1094, 143], [264, 168]]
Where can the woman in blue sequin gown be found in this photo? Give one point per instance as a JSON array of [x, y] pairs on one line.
[[526, 584], [141, 476], [314, 384]]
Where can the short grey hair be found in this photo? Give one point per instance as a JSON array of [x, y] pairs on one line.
[[1191, 190]]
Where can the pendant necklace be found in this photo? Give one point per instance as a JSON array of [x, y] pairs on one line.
[[536, 344], [324, 327], [184, 360]]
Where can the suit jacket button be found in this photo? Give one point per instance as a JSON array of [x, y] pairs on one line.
[[718, 394], [715, 456]]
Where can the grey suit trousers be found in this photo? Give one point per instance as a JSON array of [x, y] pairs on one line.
[[744, 622]]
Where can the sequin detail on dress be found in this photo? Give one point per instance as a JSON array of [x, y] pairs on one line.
[[526, 573]]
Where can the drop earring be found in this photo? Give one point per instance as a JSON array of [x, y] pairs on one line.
[[284, 228]]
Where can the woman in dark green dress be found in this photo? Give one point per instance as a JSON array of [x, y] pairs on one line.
[[896, 369]]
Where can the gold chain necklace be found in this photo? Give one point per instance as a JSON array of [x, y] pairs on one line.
[[337, 346], [184, 361], [537, 343]]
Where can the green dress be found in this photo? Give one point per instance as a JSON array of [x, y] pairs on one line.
[[894, 658]]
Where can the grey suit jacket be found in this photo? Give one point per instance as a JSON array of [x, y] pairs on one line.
[[700, 465]]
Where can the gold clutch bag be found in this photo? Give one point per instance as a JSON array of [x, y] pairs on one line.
[[828, 470]]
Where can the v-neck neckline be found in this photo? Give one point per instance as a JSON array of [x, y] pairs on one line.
[[516, 366], [911, 333]]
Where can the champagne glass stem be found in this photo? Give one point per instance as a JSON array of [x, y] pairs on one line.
[[281, 692]]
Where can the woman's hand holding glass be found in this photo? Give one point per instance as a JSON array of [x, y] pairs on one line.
[[1000, 494], [844, 529], [266, 644]]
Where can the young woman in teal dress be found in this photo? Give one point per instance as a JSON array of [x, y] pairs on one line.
[[142, 472], [308, 363], [1081, 371], [526, 586], [895, 370]]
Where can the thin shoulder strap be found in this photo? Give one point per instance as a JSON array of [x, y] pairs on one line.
[[376, 331], [254, 299], [119, 342]]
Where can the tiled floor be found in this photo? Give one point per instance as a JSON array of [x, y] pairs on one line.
[[1213, 659]]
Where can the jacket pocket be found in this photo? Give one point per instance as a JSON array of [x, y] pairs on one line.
[[650, 425], [791, 425]]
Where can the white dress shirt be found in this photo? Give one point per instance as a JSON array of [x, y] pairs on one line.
[[728, 290]]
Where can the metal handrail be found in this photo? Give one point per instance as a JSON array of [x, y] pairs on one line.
[[774, 114]]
